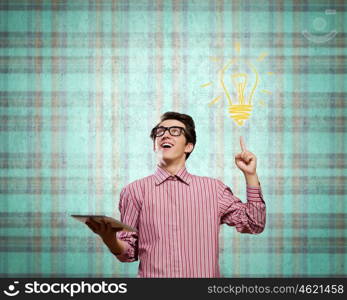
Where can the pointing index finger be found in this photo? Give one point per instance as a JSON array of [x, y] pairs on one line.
[[242, 143]]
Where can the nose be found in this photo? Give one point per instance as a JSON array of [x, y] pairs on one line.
[[166, 134]]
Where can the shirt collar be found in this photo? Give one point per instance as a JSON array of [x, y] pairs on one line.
[[161, 175]]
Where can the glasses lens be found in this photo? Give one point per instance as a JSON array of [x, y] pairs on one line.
[[159, 131], [175, 131]]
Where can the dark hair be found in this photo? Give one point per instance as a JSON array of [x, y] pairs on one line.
[[186, 120]]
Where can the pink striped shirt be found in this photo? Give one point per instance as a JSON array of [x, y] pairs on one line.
[[178, 220]]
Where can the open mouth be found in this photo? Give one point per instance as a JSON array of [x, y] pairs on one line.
[[166, 146]]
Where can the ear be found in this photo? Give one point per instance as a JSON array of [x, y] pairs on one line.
[[189, 148]]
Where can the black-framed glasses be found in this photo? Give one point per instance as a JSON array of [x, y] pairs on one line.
[[173, 130]]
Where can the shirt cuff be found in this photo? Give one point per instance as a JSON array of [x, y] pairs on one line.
[[128, 243], [254, 193]]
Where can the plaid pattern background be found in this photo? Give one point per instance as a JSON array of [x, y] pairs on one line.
[[83, 83]]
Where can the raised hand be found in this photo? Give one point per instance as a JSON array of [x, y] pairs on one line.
[[246, 161]]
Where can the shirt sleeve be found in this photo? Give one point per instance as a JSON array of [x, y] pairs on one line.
[[247, 217], [129, 211]]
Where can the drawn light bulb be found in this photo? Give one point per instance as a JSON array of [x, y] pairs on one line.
[[239, 88], [239, 79]]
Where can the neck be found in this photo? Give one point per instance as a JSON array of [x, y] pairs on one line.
[[172, 166]]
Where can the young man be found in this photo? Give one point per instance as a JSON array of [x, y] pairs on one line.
[[177, 214]]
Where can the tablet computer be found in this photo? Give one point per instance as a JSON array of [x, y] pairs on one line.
[[97, 218]]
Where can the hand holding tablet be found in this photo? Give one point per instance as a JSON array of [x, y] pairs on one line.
[[106, 227]]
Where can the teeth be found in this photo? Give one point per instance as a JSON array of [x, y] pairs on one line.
[[166, 144]]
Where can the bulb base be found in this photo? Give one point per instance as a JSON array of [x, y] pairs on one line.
[[240, 113]]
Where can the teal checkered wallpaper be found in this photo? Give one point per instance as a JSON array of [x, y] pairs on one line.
[[82, 83]]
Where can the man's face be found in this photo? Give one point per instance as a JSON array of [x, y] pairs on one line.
[[176, 148]]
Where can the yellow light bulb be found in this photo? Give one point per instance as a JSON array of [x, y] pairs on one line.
[[240, 109]]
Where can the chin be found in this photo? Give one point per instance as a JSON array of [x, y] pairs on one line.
[[167, 157]]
